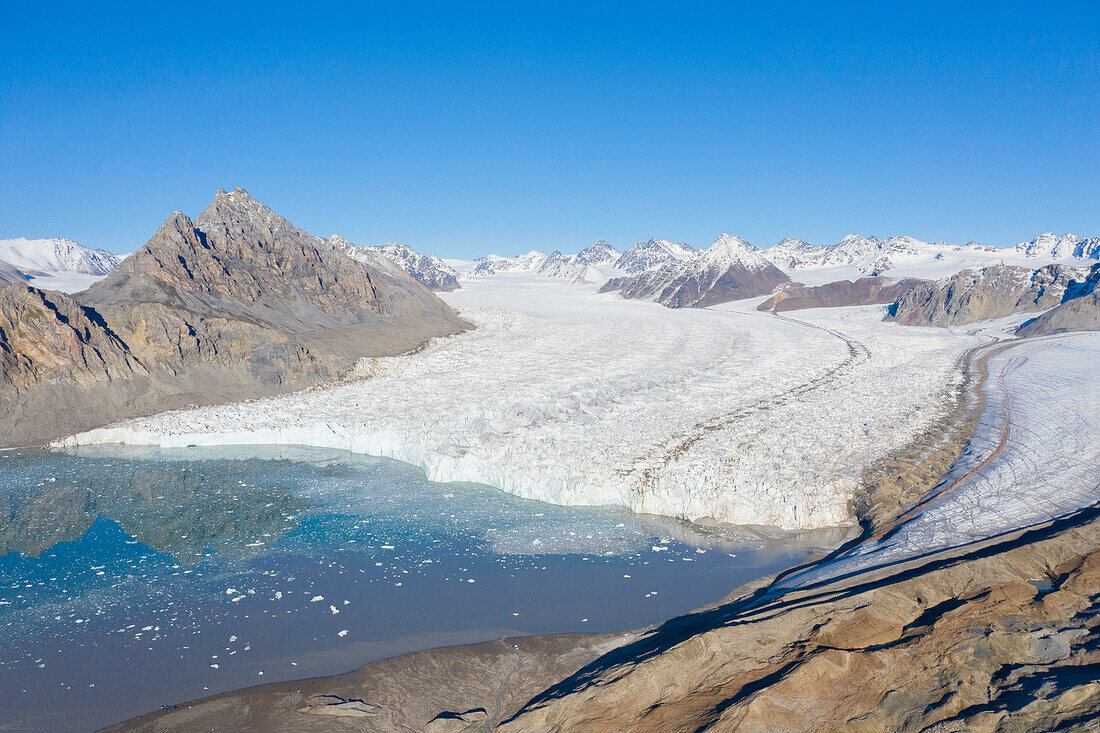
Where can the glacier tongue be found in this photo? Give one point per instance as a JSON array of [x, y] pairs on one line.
[[571, 397], [1034, 457]]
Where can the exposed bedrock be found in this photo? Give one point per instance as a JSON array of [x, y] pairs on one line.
[[236, 305], [864, 291], [1000, 640], [1079, 314], [992, 292]]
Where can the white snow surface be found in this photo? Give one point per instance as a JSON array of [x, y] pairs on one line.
[[1035, 457], [564, 395], [57, 263]]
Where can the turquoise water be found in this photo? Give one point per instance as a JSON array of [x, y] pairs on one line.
[[135, 578]]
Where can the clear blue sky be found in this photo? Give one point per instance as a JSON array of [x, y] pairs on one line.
[[503, 127]]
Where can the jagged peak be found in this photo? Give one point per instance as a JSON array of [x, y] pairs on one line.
[[854, 238], [792, 242], [177, 220], [340, 240], [731, 241]]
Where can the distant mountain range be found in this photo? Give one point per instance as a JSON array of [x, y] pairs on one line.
[[672, 273], [675, 274], [68, 266], [428, 270]]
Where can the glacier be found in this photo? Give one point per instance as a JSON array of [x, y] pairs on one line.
[[567, 396], [1034, 458]]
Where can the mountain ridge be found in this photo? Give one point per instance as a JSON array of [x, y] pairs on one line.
[[235, 305]]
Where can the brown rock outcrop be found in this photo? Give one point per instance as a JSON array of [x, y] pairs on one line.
[[999, 640], [864, 291], [1079, 314], [236, 305], [992, 292]]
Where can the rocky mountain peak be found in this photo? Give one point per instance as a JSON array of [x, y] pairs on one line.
[[732, 243], [651, 254], [597, 253], [791, 243], [238, 256]]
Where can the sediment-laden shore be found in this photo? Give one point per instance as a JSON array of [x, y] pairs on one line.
[[993, 627]]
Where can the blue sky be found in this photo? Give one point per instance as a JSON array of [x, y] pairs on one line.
[[506, 127]]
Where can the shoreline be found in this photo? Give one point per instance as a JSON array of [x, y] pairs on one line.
[[957, 427], [969, 590]]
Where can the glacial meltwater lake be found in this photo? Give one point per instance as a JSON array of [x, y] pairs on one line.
[[136, 578]]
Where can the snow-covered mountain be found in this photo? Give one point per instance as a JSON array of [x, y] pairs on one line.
[[792, 252], [597, 253], [857, 256], [652, 254], [495, 264], [593, 264], [57, 263], [730, 269], [559, 266], [1050, 246], [428, 269], [56, 255]]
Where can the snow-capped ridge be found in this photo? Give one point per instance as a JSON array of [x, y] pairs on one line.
[[429, 270], [728, 250], [856, 256], [597, 253], [494, 264], [730, 269], [56, 255], [1052, 246], [652, 254]]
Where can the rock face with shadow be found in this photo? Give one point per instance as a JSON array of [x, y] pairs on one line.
[[992, 292], [1079, 314], [1002, 639], [238, 304], [864, 291]]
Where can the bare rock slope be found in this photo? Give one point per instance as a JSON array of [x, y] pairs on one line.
[[992, 292], [235, 305], [864, 291], [1078, 314]]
